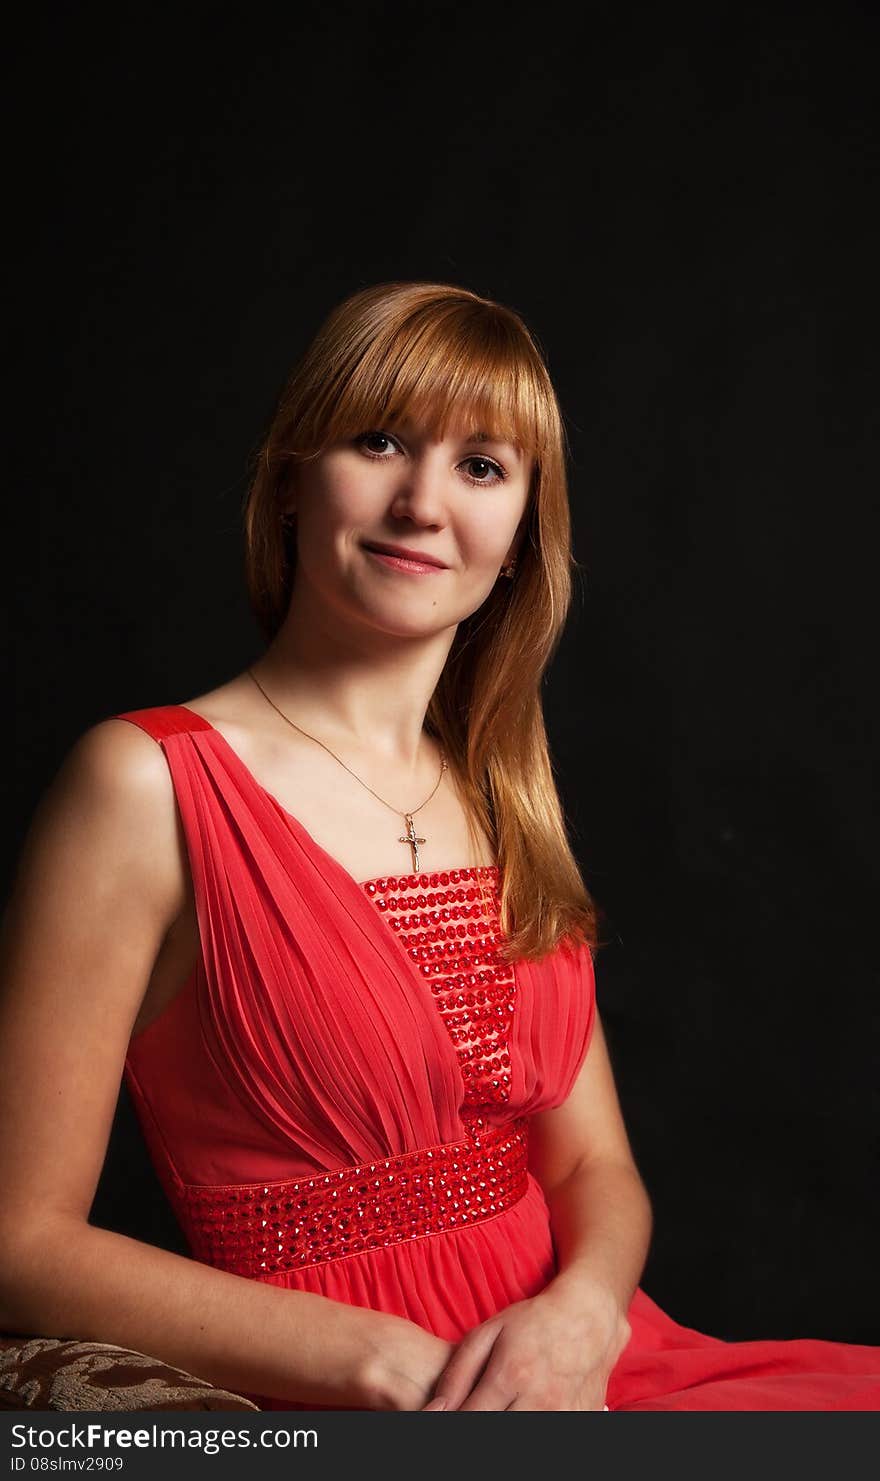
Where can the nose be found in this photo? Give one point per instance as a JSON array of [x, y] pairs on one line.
[[420, 492]]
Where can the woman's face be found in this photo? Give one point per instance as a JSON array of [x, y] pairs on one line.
[[459, 501]]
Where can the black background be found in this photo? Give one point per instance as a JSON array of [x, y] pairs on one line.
[[683, 206]]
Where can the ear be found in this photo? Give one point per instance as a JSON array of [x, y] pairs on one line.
[[287, 501]]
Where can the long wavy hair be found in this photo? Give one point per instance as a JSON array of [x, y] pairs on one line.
[[437, 352]]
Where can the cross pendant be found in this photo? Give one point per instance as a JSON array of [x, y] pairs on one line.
[[410, 837]]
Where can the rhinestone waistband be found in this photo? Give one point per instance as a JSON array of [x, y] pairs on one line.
[[258, 1229]]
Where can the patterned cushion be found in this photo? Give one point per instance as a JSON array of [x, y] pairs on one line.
[[49, 1373]]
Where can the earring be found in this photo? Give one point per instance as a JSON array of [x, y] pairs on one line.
[[508, 569]]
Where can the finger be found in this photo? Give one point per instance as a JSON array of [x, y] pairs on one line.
[[495, 1388], [465, 1366], [489, 1394]]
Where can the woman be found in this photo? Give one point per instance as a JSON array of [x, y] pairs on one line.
[[326, 921]]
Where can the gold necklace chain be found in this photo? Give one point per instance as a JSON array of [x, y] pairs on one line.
[[410, 836]]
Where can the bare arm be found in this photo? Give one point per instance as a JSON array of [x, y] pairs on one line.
[[600, 1211], [101, 879]]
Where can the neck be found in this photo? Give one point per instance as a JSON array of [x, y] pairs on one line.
[[364, 692]]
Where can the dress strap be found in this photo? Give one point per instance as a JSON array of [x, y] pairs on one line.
[[160, 721]]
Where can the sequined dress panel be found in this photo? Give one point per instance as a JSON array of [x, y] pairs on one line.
[[339, 1099]]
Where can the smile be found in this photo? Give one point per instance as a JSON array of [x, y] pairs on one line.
[[401, 563]]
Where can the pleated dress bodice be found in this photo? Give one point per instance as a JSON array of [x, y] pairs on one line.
[[336, 1030]]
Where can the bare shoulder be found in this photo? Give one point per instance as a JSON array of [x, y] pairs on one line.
[[117, 754], [112, 799], [113, 767]]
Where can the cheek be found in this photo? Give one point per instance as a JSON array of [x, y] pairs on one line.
[[351, 498], [336, 500], [485, 538]]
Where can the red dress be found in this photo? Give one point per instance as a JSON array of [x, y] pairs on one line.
[[338, 1099]]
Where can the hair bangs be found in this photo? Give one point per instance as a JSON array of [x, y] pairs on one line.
[[460, 372]]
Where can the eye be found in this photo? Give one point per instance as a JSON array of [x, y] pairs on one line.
[[366, 437], [484, 466], [491, 465]]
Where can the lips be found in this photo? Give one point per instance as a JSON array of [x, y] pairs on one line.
[[411, 555]]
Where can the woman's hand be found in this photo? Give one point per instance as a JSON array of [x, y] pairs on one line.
[[400, 1366], [555, 1351]]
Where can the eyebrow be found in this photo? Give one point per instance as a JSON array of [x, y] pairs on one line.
[[405, 422], [487, 437]]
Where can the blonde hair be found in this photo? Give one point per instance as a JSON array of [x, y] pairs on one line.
[[435, 352]]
